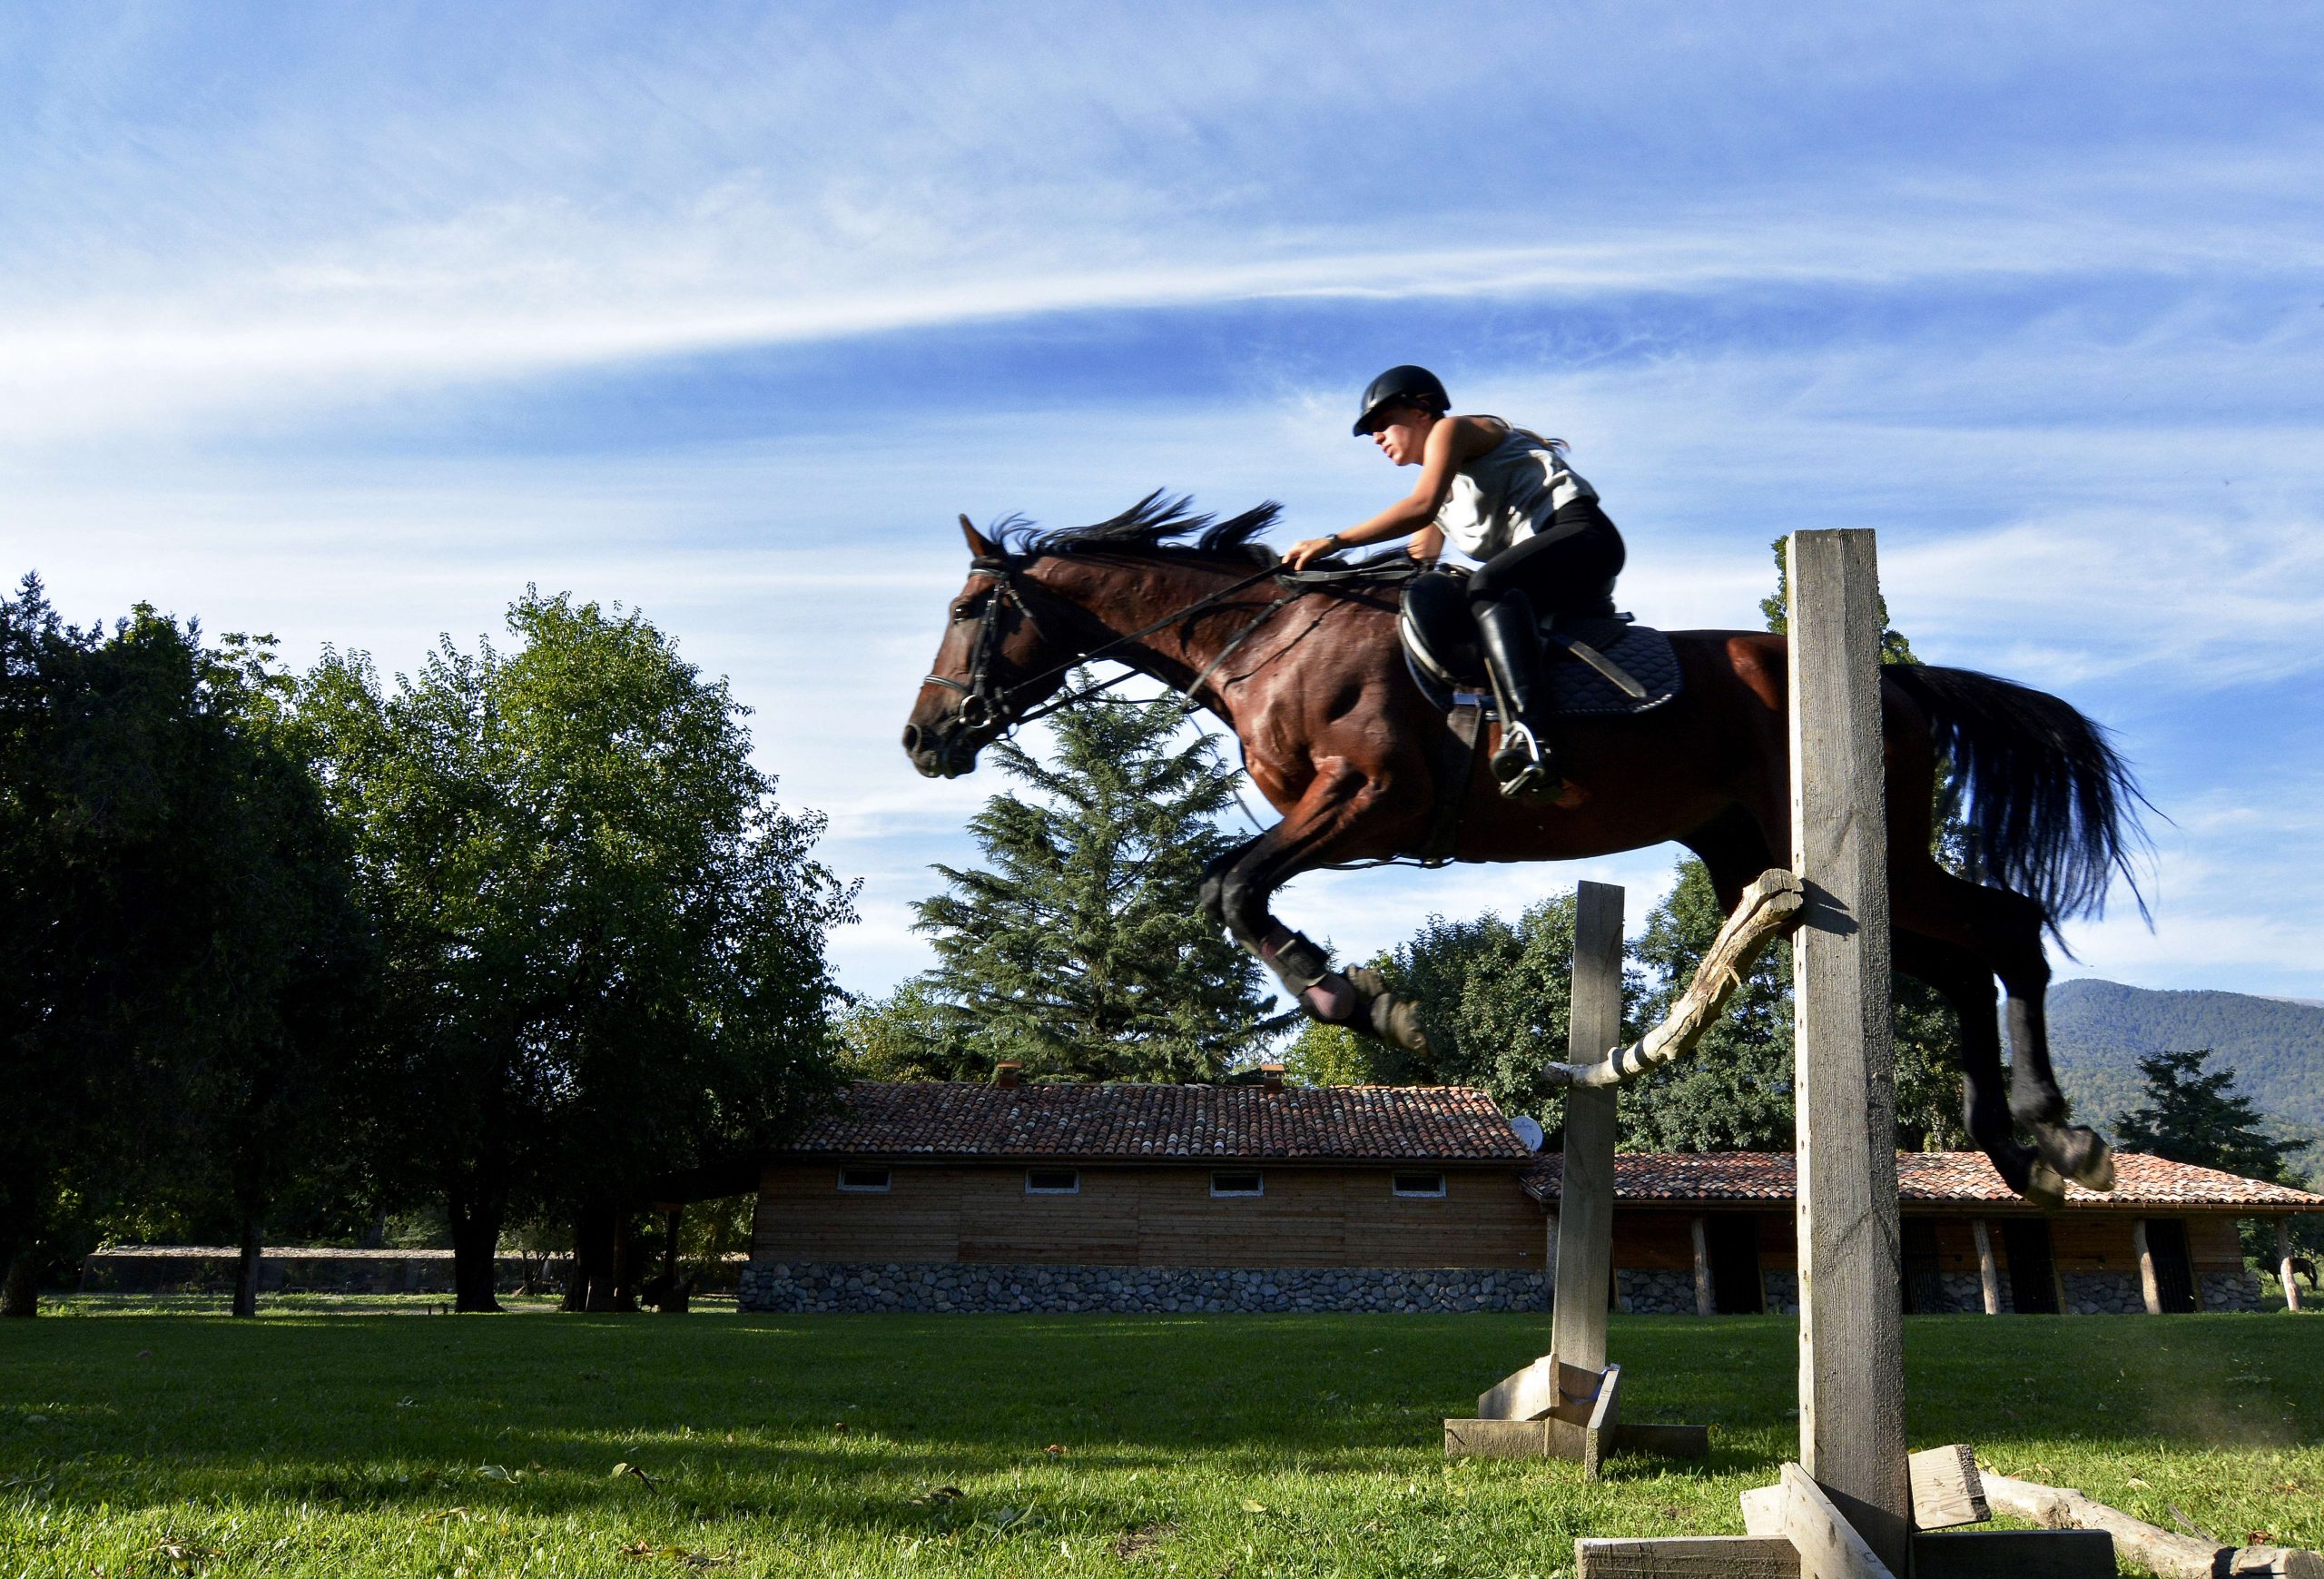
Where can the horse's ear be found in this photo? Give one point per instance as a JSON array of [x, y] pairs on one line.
[[980, 546]]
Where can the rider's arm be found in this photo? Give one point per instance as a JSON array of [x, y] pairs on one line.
[[1451, 443], [1427, 544]]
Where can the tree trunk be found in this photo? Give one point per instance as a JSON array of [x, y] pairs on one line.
[[596, 1233], [476, 1243], [246, 1271], [20, 1293]]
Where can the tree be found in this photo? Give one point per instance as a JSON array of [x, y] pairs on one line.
[[602, 941], [1494, 999], [1081, 949], [2195, 1114]]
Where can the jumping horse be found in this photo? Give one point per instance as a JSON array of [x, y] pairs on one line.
[[1308, 674]]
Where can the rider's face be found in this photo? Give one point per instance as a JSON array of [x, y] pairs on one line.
[[1401, 434]]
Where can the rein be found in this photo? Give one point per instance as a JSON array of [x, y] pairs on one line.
[[983, 703]]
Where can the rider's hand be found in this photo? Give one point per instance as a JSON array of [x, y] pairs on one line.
[[1309, 548]]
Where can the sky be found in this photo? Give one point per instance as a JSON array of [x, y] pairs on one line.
[[348, 323]]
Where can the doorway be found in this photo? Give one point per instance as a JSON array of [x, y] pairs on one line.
[[2174, 1270], [1732, 1241], [2033, 1275]]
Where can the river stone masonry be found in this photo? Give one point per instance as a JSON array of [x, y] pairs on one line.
[[822, 1288]]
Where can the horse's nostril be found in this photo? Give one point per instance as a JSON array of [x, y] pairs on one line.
[[911, 737]]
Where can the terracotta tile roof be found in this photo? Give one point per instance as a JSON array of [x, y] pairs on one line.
[[1170, 1123], [1922, 1177]]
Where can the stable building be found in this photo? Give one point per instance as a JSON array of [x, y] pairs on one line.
[[1005, 1196]]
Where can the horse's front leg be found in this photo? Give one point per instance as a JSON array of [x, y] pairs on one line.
[[1317, 832]]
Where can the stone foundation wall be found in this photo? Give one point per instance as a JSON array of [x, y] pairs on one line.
[[2229, 1290], [798, 1287], [2102, 1294], [1662, 1291]]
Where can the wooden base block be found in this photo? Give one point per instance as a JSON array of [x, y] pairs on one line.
[[1983, 1554], [1555, 1438]]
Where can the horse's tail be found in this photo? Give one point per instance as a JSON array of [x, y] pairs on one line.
[[2047, 806]]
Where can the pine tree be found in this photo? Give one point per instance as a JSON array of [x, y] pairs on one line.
[[2194, 1114], [1081, 949]]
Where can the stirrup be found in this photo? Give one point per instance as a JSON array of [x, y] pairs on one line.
[[1522, 767]]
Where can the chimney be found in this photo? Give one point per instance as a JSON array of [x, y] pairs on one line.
[[1007, 1074], [1271, 1076]]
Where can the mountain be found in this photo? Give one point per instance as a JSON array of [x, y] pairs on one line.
[[2275, 1045]]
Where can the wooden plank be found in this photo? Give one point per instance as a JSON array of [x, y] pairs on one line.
[[1496, 1439], [1687, 1557], [1946, 1489], [1851, 1327], [1829, 1546], [1605, 1414], [1763, 1510], [2015, 1554], [1524, 1395], [2158, 1550], [1586, 1191]]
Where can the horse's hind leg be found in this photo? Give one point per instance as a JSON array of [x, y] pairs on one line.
[[1968, 986], [2003, 931]]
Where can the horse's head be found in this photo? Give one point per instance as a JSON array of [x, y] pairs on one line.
[[995, 661]]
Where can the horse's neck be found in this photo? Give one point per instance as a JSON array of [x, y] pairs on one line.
[[1118, 596]]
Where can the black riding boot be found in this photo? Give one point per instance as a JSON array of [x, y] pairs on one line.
[[1511, 640]]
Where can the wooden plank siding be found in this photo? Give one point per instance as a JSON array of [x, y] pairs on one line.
[[1147, 1217]]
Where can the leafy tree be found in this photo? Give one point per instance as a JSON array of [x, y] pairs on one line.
[[602, 940], [1494, 997], [2193, 1113], [178, 949], [1080, 950]]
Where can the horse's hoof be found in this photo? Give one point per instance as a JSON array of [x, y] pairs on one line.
[[1332, 999], [1396, 1021], [2043, 1188], [2090, 1162]]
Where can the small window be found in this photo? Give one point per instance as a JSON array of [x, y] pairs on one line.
[[1237, 1182], [863, 1181], [1052, 1181], [1419, 1184]]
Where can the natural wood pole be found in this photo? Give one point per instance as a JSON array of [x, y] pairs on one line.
[[1550, 1272], [1585, 1187], [2172, 1556], [1763, 914], [2148, 1287], [1851, 1324], [1988, 1275], [1704, 1304], [2283, 1264]]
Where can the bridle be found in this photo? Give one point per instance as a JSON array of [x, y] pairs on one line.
[[984, 703]]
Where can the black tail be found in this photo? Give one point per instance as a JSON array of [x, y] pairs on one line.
[[2049, 808]]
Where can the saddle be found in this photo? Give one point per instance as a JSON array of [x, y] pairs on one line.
[[1594, 664]]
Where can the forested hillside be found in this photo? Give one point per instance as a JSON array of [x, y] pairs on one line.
[[2099, 1028]]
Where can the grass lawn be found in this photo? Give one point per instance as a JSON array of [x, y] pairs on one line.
[[381, 1440]]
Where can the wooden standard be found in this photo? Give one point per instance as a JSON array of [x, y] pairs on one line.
[[1847, 1509], [1567, 1402]]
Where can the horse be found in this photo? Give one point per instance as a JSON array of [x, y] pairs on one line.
[[1308, 674]]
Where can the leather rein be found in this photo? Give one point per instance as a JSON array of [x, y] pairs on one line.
[[983, 702]]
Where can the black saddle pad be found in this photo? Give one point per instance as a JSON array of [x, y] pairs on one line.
[[1440, 649]]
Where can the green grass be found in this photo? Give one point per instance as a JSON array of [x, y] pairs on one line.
[[319, 1441]]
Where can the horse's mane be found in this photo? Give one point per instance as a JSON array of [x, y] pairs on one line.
[[1154, 523]]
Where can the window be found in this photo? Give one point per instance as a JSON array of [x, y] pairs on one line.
[[1052, 1181], [863, 1181], [1237, 1182], [1419, 1184]]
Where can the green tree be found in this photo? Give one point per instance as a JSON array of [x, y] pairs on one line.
[[1080, 950], [602, 941], [2193, 1113]]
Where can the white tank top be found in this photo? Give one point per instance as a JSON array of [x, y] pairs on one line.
[[1508, 494]]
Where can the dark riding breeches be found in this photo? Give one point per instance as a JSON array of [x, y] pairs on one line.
[[1567, 568]]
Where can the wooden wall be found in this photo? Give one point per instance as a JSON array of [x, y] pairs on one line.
[[1148, 1217]]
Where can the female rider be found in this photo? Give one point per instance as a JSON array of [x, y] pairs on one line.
[[1507, 498]]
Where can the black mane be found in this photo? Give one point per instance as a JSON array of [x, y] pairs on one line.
[[1153, 522]]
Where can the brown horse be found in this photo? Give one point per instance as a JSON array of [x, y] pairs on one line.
[[1337, 736]]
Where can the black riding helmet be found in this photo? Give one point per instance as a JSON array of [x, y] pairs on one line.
[[1402, 386]]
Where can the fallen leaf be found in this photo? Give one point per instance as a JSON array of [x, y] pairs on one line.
[[1254, 1507], [840, 1427], [2142, 1485], [622, 1469], [1055, 1450], [496, 1471]]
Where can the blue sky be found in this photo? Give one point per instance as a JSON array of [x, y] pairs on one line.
[[348, 323]]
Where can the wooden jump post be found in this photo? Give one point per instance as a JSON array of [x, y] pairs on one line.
[[1847, 1509]]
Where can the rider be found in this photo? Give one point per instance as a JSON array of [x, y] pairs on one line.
[[1506, 496]]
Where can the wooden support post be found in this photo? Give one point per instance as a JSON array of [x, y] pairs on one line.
[[2283, 1264], [1988, 1274], [1851, 1325], [2149, 1289], [1586, 1193], [1704, 1304], [1550, 1272]]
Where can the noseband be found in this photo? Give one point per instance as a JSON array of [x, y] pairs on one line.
[[983, 703]]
